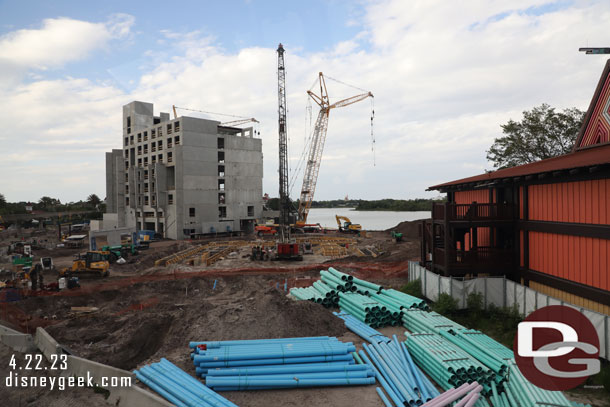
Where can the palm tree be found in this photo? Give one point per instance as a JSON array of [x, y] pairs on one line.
[[93, 200]]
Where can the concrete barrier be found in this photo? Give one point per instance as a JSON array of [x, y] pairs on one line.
[[23, 343], [47, 345], [119, 396]]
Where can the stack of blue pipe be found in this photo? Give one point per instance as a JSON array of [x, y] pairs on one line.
[[402, 380], [178, 387], [361, 329], [278, 363]]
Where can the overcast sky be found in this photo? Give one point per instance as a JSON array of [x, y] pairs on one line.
[[445, 75]]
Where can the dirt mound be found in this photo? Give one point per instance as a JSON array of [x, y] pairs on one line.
[[158, 319], [409, 229]]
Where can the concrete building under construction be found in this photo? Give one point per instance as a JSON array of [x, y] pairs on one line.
[[183, 177]]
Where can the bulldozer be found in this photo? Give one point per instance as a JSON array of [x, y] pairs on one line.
[[92, 262], [347, 226]]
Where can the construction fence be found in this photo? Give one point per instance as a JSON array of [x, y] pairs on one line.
[[503, 293]]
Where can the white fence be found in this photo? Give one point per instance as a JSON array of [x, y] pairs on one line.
[[503, 293]]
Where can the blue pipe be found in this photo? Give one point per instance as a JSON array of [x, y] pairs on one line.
[[217, 344], [386, 376], [210, 380], [382, 381], [179, 392], [383, 397], [214, 287], [409, 395], [163, 374], [394, 362], [168, 396], [253, 362], [425, 394], [246, 383], [191, 380], [296, 368]]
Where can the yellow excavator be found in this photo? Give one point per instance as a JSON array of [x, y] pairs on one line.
[[347, 226], [92, 262]]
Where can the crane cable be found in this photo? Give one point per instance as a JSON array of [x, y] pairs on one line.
[[372, 134]]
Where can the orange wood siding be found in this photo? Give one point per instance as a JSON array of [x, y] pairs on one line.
[[468, 197], [579, 202], [521, 202], [580, 259], [571, 298]]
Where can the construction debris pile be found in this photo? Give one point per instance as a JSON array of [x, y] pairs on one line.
[[278, 363]]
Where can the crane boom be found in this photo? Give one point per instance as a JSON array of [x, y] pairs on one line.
[[314, 158], [283, 142]]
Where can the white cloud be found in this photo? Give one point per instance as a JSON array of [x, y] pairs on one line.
[[445, 76], [60, 40]]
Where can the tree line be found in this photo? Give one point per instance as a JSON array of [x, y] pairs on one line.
[[420, 204], [48, 204]]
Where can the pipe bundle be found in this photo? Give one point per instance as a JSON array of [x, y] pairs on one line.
[[345, 283], [368, 310], [361, 329], [419, 321], [468, 393], [405, 301], [401, 379], [483, 348], [520, 390], [178, 387], [447, 364], [278, 363], [319, 292]]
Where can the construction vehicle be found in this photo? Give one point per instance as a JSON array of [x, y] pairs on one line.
[[122, 250], [347, 226], [316, 147], [286, 248], [262, 230], [94, 262], [397, 236]]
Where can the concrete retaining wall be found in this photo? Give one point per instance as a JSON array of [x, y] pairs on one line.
[[119, 396]]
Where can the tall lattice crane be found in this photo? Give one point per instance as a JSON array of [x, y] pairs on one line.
[[314, 158], [283, 142]]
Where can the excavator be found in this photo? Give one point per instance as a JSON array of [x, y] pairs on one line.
[[95, 262], [347, 226]]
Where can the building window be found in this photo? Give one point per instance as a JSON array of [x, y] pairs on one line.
[[192, 212], [222, 211], [153, 146], [139, 150], [138, 214], [221, 170], [126, 189], [154, 203], [145, 199], [126, 165], [250, 210], [139, 137], [176, 126], [126, 153], [145, 135], [152, 185], [159, 214], [169, 142], [169, 128], [139, 162], [221, 157], [152, 133], [177, 140], [145, 161], [128, 121], [153, 159], [159, 131], [126, 201], [170, 199], [131, 140], [221, 184], [160, 143], [169, 157], [221, 142], [160, 158], [145, 148], [126, 141], [152, 173], [139, 202], [126, 177], [145, 187], [221, 198], [145, 174]]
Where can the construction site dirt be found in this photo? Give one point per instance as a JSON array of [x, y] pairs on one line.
[[146, 310]]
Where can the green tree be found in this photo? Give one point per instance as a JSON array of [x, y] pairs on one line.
[[93, 200], [542, 133], [47, 202], [2, 201]]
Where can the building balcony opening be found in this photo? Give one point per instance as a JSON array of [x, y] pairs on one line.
[[177, 140], [221, 185], [221, 170], [169, 157], [176, 126], [170, 199], [222, 211], [169, 128], [221, 142], [250, 210], [221, 157], [221, 198]]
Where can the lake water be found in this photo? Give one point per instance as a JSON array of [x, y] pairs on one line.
[[370, 220]]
